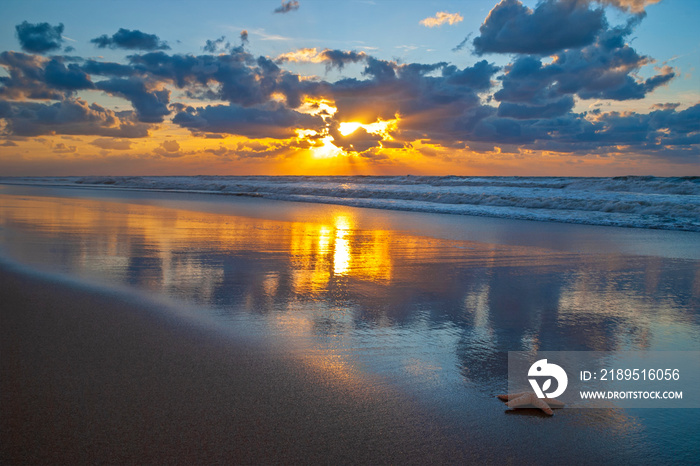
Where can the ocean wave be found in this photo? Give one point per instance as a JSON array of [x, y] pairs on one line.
[[630, 201]]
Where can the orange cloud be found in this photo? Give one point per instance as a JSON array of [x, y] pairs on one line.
[[440, 18]]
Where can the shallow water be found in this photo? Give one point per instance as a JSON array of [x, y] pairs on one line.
[[409, 300]]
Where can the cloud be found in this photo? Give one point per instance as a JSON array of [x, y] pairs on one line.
[[212, 46], [130, 40], [74, 117], [439, 103], [476, 77], [633, 6], [527, 104], [666, 106], [552, 26], [40, 37], [340, 58], [270, 121], [149, 101], [358, 141], [108, 69], [237, 77], [441, 18], [286, 7], [37, 77], [337, 58], [380, 69], [462, 44], [8, 144], [603, 70], [112, 143], [61, 148], [307, 55], [663, 133], [552, 109], [239, 80], [443, 108], [169, 148], [66, 78], [244, 36]]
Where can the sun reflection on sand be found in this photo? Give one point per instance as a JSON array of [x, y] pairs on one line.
[[320, 252], [341, 250]]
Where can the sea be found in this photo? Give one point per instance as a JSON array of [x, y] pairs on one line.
[[624, 201]]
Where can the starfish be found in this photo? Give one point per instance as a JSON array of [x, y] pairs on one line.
[[530, 400]]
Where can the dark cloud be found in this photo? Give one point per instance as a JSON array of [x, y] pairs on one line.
[[67, 78], [475, 77], [74, 117], [26, 77], [130, 40], [504, 131], [340, 58], [108, 69], [244, 36], [150, 103], [237, 77], [380, 70], [549, 110], [218, 45], [462, 44], [663, 133], [235, 73], [603, 70], [269, 121], [36, 77], [552, 26], [358, 141], [40, 37], [286, 7]]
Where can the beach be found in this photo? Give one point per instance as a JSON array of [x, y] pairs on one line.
[[179, 328]]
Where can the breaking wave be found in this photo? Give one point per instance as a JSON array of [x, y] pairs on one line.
[[629, 201]]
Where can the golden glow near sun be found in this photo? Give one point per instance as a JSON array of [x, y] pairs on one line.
[[380, 127], [326, 149], [323, 107], [322, 143]]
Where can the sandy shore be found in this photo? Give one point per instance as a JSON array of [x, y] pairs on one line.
[[89, 376]]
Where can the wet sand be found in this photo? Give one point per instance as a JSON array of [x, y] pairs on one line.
[[89, 376], [181, 328]]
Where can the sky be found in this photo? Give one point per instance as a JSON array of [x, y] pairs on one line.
[[350, 87]]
